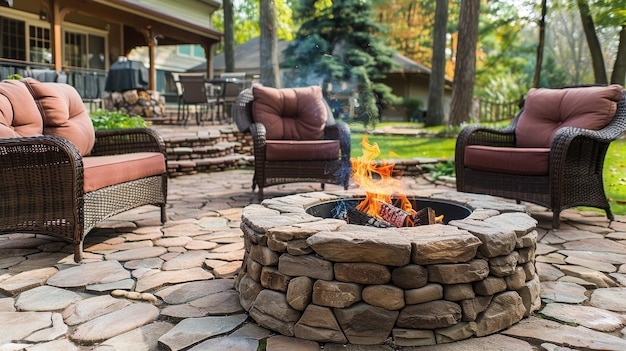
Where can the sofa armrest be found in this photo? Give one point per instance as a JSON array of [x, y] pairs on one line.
[[123, 141], [340, 131], [40, 178], [259, 139]]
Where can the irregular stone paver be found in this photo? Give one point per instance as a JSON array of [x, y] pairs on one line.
[[136, 254], [19, 325], [57, 330], [193, 330], [563, 292], [612, 299], [91, 273], [285, 343], [577, 337], [185, 292], [46, 298], [115, 323], [185, 260], [26, 280], [140, 339], [56, 345], [7, 304], [171, 277], [227, 343], [126, 284], [590, 317], [91, 308]]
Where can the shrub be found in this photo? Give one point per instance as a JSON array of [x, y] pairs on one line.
[[103, 119]]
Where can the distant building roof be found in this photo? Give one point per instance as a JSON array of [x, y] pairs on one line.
[[247, 59]]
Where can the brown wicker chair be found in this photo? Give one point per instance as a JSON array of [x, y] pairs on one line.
[[553, 152], [64, 182], [284, 152]]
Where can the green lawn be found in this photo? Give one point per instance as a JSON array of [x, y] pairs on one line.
[[403, 147]]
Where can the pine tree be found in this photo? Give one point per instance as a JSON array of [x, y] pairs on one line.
[[339, 46]]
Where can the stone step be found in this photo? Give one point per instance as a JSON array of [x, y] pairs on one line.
[[219, 149], [211, 164]]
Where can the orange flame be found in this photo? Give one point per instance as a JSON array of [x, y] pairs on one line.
[[377, 181]]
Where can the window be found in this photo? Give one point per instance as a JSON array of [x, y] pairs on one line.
[[12, 39], [84, 50], [39, 44], [191, 50]]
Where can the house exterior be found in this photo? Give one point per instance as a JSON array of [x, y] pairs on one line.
[[408, 80], [81, 39]]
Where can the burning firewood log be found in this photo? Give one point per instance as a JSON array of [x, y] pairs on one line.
[[355, 216]]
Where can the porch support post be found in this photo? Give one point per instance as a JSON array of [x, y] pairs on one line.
[[151, 38], [57, 40]]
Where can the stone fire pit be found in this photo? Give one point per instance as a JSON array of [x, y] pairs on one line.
[[328, 281]]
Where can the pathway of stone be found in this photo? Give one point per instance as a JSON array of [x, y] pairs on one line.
[[143, 286]]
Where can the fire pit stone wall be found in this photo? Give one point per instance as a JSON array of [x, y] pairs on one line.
[[333, 282]]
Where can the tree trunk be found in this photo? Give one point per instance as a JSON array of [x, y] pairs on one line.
[[229, 36], [269, 45], [619, 68], [541, 44], [436, 85], [597, 61], [465, 69]]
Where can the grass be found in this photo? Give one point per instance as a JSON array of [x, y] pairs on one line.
[[405, 147]]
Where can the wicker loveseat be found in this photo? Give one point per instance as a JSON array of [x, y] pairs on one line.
[[60, 177], [295, 137], [553, 152]]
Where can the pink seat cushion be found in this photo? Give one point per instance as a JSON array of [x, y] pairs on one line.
[[291, 113], [509, 160], [293, 150], [64, 114], [19, 115], [547, 110], [103, 171]]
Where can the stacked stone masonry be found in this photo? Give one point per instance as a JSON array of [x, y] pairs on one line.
[[333, 282], [219, 149]]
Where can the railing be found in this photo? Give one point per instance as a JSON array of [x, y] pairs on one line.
[[495, 111], [88, 82]]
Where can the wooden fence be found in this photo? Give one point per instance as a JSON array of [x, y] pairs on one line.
[[495, 111]]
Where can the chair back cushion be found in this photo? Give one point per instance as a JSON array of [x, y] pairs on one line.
[[290, 113], [547, 110], [19, 116], [64, 114]]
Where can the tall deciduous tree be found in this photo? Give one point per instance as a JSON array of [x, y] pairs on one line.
[[268, 45], [541, 43], [597, 59], [229, 36], [463, 87], [437, 81]]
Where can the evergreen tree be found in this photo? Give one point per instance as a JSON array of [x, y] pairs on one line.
[[338, 45]]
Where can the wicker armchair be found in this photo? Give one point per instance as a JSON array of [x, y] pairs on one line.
[[295, 137], [64, 179], [553, 152]]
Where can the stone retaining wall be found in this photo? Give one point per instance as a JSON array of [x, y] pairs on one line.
[[332, 282]]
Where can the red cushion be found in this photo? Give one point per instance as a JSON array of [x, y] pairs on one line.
[[64, 114], [547, 110], [293, 150], [19, 116], [509, 160], [291, 114], [103, 171]]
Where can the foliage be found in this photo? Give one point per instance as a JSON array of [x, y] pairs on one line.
[[104, 120], [338, 46], [411, 106], [246, 19], [440, 169], [15, 76]]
